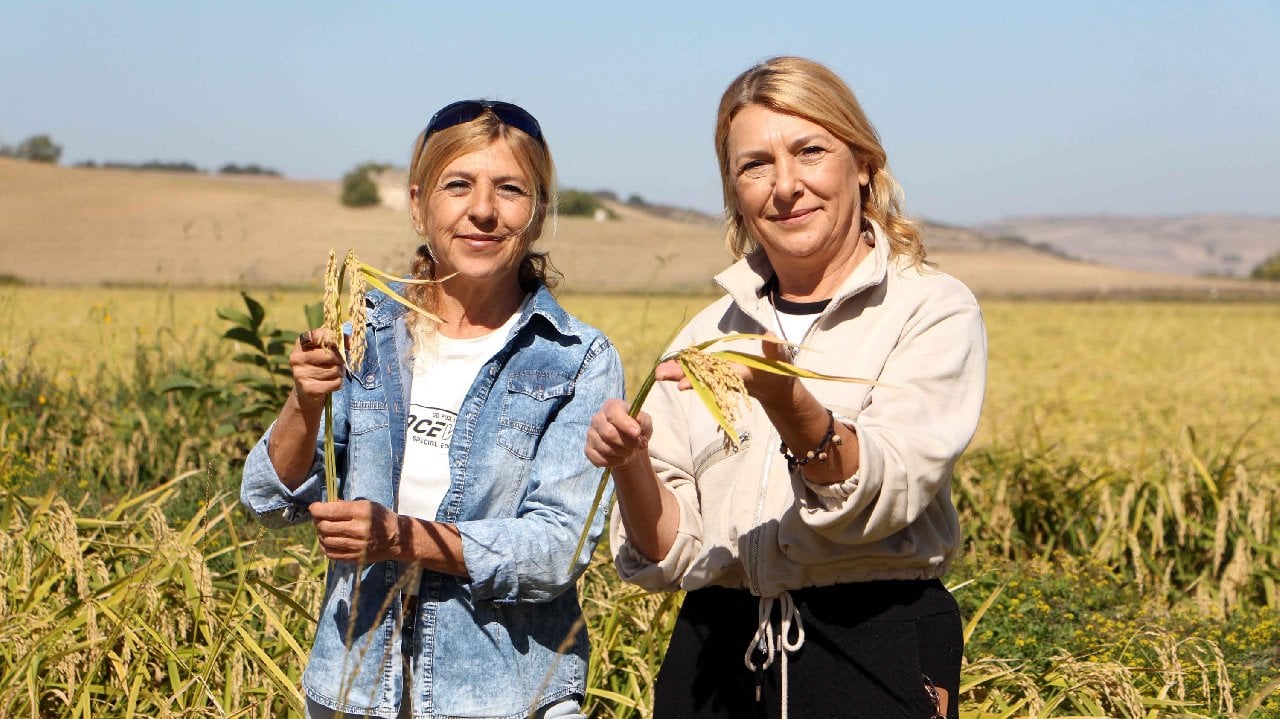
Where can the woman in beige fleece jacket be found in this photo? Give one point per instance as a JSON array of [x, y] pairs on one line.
[[811, 553]]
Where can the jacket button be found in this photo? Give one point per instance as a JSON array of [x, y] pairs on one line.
[[368, 378]]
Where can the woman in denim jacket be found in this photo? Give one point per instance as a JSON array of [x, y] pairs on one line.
[[463, 482]]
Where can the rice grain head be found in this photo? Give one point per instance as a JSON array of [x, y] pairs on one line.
[[718, 375], [332, 282], [356, 312]]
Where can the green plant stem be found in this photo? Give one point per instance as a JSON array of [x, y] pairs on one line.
[[330, 458], [634, 411]]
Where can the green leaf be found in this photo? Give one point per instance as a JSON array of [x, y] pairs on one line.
[[235, 316], [178, 382], [380, 285], [744, 336], [977, 616], [245, 335], [591, 516], [314, 314], [786, 368], [633, 411], [370, 271], [255, 309]]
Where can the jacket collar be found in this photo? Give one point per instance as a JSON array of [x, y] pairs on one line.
[[745, 280], [383, 311]]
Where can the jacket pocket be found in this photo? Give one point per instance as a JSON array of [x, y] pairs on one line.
[[368, 416], [716, 451], [532, 399]]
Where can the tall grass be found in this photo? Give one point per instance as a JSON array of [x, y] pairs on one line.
[[1199, 526], [127, 613], [1106, 572]]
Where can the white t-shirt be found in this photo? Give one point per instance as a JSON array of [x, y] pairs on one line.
[[795, 318], [440, 383]]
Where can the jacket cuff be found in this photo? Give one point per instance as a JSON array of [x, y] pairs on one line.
[[635, 568], [270, 501], [662, 576], [836, 497], [488, 558], [837, 491]]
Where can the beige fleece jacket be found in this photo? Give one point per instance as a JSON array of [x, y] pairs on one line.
[[745, 521]]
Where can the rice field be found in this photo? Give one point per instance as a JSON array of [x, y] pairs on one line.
[[1121, 506]]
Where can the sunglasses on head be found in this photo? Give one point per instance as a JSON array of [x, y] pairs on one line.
[[456, 113]]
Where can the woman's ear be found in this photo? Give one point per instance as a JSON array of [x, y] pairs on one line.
[[415, 211]]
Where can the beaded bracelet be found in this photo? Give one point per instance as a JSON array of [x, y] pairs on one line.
[[820, 452]]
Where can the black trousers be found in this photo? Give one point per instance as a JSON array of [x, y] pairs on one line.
[[868, 649]]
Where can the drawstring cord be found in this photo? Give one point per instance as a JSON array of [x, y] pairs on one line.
[[768, 640]]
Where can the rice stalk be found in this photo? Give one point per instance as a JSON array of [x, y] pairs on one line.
[[122, 615], [720, 389], [359, 277]]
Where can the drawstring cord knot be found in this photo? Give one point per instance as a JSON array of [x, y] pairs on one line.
[[788, 636]]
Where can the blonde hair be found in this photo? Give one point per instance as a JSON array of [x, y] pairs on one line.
[[429, 162], [807, 89]]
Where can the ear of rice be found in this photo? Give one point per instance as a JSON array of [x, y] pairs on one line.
[[332, 286], [358, 277], [717, 385], [356, 312]]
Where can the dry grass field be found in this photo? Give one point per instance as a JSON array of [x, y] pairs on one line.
[[1115, 380], [1119, 508], [92, 226], [96, 226]]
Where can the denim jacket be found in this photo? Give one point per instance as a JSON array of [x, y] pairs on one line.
[[519, 493]]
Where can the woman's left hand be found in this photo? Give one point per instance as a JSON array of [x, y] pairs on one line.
[[359, 531], [766, 387]]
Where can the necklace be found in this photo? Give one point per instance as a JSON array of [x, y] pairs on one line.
[[800, 309], [800, 315], [788, 353]]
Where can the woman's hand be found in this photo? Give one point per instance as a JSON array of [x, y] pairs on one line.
[[649, 510], [367, 532], [766, 387], [358, 531], [316, 367], [317, 373], [616, 439]]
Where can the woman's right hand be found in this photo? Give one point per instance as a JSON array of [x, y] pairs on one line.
[[616, 439], [316, 367], [317, 373], [649, 510]]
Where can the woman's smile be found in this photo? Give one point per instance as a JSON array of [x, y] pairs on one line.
[[482, 241], [795, 217]]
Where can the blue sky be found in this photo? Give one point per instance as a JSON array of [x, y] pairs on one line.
[[987, 109]]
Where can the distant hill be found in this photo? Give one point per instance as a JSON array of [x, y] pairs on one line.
[[669, 212], [1225, 245], [84, 226]]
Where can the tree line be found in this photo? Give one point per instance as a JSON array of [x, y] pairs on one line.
[[42, 148]]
